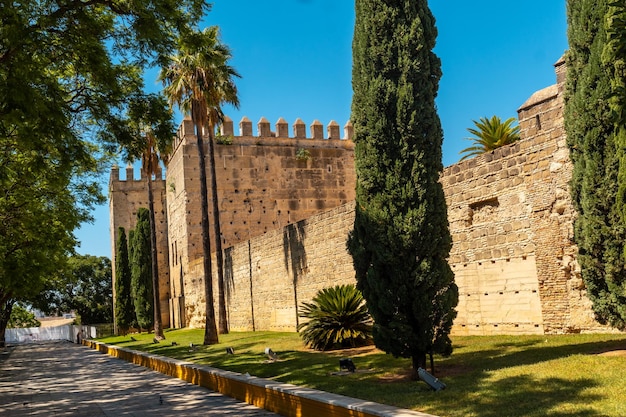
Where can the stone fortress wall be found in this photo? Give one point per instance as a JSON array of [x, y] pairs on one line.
[[511, 219], [285, 221]]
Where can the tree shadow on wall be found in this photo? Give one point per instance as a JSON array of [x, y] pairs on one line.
[[229, 281], [295, 256]]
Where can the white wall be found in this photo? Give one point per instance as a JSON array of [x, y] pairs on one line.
[[42, 334]]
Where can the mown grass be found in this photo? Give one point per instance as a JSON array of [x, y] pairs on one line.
[[488, 376]]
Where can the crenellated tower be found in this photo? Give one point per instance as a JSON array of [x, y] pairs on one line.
[[265, 182], [126, 196]]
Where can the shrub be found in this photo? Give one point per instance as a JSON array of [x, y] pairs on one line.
[[337, 318], [224, 139], [303, 154]]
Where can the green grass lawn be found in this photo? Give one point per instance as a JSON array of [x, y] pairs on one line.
[[498, 376]]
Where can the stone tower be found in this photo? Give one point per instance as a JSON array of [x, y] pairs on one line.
[[126, 196], [265, 182]]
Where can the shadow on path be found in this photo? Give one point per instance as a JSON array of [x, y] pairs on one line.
[[64, 379]]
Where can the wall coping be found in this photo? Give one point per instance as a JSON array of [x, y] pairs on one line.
[[290, 401], [540, 96]]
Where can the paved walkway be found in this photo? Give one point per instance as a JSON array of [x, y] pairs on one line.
[[65, 379]]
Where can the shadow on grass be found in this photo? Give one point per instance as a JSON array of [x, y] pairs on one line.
[[520, 396], [518, 354]]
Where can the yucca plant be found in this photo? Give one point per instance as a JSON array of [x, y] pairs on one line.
[[491, 134], [337, 318]]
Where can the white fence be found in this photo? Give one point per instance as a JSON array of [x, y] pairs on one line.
[[44, 334]]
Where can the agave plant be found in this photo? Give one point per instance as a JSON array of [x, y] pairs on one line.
[[491, 134], [337, 318]]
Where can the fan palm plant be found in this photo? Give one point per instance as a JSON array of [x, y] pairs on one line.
[[337, 318], [491, 134], [199, 80]]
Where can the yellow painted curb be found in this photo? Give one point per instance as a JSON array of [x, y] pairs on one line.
[[284, 399]]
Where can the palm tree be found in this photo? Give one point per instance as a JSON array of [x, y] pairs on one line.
[[491, 134], [150, 165], [152, 131], [219, 89], [199, 81]]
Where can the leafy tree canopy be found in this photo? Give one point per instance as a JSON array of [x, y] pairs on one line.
[[141, 271], [124, 308], [84, 287], [593, 127], [21, 317], [70, 78]]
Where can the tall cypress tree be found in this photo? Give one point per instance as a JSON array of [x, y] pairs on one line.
[[614, 57], [141, 270], [400, 241], [590, 125], [124, 308]]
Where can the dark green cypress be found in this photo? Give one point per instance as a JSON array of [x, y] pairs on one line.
[[401, 240], [591, 134], [124, 308], [141, 270], [614, 57], [131, 252]]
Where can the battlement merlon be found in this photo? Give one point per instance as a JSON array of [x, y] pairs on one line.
[[316, 129], [130, 175], [186, 131]]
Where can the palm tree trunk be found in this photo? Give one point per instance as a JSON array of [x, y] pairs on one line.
[[222, 317], [158, 325], [210, 329]]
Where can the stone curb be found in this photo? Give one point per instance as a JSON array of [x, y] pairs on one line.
[[285, 399]]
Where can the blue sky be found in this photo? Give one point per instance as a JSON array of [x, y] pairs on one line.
[[295, 60]]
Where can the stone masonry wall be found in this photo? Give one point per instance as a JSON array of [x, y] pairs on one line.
[[511, 220], [179, 173], [270, 275]]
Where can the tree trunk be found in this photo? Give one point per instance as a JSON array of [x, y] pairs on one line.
[[432, 362], [158, 325], [210, 329], [6, 306], [418, 361], [222, 317]]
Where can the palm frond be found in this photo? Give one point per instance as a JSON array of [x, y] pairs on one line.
[[490, 134], [198, 79]]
